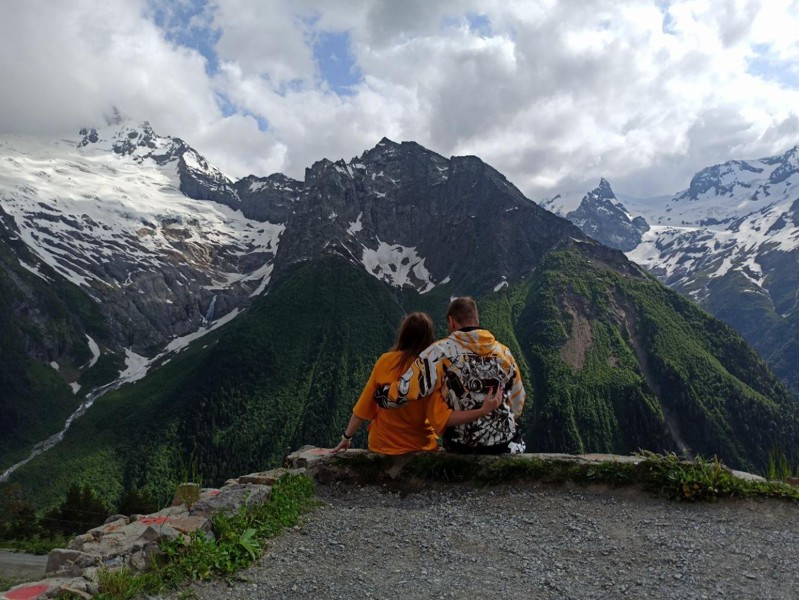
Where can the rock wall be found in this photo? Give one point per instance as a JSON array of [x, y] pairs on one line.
[[132, 541]]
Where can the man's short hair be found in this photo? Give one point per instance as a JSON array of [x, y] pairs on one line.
[[464, 311]]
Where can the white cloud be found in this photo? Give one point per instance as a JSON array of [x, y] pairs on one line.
[[265, 38], [65, 65], [553, 94]]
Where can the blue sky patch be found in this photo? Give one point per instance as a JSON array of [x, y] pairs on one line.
[[225, 105], [480, 24], [188, 24], [336, 62], [771, 69], [228, 109]]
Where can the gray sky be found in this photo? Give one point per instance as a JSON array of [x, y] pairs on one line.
[[555, 94]]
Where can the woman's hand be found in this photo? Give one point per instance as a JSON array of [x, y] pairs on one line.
[[492, 401], [343, 445]]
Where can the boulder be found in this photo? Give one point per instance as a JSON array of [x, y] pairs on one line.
[[230, 498], [114, 518], [70, 562], [265, 478], [270, 477], [747, 476], [190, 524]]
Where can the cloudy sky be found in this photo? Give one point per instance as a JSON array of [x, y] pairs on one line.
[[555, 94]]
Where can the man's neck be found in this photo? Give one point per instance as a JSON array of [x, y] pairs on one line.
[[467, 328]]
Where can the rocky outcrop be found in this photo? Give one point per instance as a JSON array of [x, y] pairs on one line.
[[133, 541]]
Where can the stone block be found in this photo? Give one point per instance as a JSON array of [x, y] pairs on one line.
[[748, 476], [190, 524], [69, 562], [614, 458], [163, 532], [114, 562], [59, 558], [138, 561], [114, 518], [169, 511], [79, 541], [231, 498], [108, 527], [265, 478], [133, 537], [306, 456]]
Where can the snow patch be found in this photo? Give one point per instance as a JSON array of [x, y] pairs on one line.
[[181, 343], [34, 270], [397, 265], [136, 367], [265, 274], [257, 186], [356, 226], [94, 349]]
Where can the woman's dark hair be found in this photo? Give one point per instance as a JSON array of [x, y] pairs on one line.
[[415, 334]]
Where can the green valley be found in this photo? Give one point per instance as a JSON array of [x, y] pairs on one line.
[[613, 362]]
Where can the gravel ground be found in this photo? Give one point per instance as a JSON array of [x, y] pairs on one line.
[[528, 542]]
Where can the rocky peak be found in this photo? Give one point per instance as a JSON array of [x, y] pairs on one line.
[[603, 190], [137, 140], [276, 182], [721, 180], [601, 216], [787, 165], [384, 146]]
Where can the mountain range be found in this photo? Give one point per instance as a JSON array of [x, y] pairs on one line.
[[730, 242], [191, 319]]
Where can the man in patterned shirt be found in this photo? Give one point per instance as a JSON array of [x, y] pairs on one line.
[[466, 367]]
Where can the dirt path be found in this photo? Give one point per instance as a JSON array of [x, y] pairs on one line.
[[530, 542], [15, 565]]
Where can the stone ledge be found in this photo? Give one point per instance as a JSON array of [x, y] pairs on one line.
[[364, 467]]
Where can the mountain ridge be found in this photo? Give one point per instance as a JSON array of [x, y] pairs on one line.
[[286, 315], [731, 242]]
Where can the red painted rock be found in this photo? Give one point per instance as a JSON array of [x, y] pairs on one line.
[[153, 520], [30, 592]]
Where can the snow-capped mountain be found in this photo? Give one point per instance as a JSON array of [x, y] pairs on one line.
[[167, 245], [731, 242], [106, 211]]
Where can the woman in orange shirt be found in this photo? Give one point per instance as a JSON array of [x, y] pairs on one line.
[[407, 428]]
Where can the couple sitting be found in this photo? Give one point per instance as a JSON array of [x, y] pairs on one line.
[[465, 387]]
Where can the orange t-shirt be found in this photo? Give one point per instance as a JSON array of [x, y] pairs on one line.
[[394, 430]]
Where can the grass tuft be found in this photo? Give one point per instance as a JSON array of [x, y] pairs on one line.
[[665, 475]]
